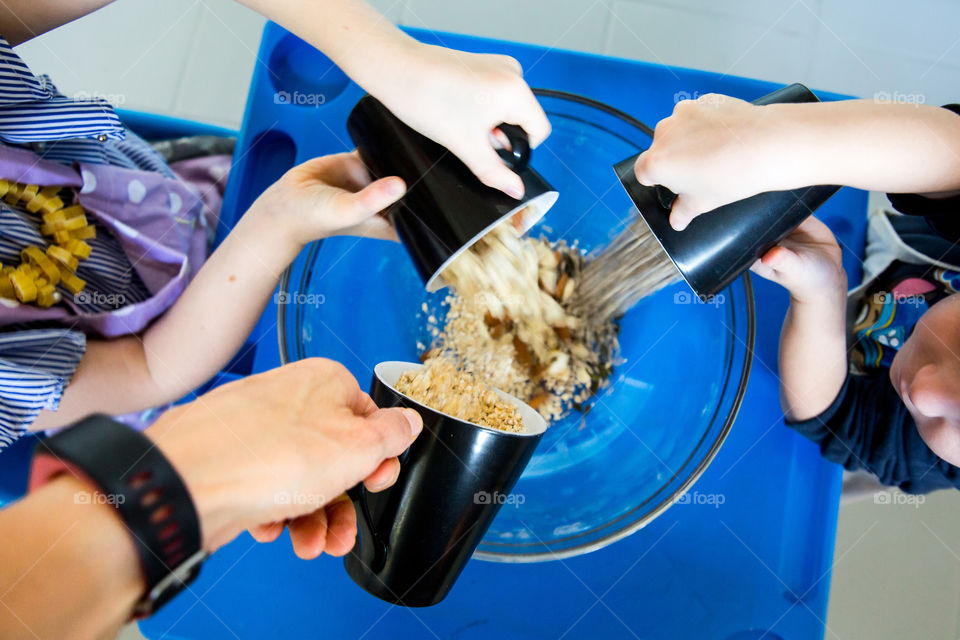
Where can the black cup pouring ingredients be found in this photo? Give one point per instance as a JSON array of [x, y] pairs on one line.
[[718, 246], [417, 536], [446, 208]]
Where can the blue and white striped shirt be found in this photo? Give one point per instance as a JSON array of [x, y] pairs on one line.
[[37, 363]]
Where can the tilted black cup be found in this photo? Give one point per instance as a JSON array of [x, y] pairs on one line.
[[417, 536], [717, 247], [446, 208]]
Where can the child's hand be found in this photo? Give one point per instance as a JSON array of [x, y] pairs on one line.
[[330, 195], [807, 263], [710, 152], [457, 98]]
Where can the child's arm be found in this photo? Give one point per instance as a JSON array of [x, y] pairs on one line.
[[453, 97], [718, 149], [209, 322], [813, 353]]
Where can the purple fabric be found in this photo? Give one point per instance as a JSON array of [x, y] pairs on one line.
[[158, 221]]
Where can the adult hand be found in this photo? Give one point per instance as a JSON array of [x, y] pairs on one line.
[[282, 447]]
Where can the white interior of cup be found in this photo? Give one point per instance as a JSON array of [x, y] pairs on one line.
[[529, 213], [533, 423]]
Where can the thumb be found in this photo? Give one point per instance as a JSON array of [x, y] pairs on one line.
[[484, 162], [641, 169], [779, 265], [353, 208], [683, 212]]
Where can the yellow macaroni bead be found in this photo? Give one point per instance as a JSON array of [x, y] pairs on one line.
[[62, 256], [84, 233], [29, 192], [78, 248], [73, 211], [24, 287], [74, 223], [70, 281], [13, 193]]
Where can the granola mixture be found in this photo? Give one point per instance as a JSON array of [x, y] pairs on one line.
[[443, 386], [510, 322]]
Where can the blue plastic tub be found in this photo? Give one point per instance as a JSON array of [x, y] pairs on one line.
[[746, 554]]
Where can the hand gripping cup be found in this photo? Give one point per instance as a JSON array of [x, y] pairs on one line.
[[417, 536], [446, 208], [718, 246]]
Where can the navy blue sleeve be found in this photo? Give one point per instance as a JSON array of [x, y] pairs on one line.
[[868, 427]]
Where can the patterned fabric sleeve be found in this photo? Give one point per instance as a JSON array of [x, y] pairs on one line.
[[35, 366]]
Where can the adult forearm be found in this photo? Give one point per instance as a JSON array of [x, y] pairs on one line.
[[69, 568], [899, 148], [813, 355]]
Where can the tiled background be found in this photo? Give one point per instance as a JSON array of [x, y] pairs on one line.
[[898, 565]]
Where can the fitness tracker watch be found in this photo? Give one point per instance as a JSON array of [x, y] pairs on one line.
[[130, 473]]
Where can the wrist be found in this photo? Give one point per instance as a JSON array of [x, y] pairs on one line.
[[218, 495], [794, 141], [268, 235], [824, 295]]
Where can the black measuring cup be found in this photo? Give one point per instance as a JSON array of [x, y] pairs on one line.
[[446, 208], [417, 536], [718, 246]]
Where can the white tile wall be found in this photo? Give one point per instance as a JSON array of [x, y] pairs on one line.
[[194, 59]]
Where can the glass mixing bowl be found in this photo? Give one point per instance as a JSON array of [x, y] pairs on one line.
[[595, 477]]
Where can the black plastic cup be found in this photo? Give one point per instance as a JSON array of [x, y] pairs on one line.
[[417, 536], [717, 247], [446, 208]]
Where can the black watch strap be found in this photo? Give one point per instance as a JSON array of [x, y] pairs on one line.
[[150, 496]]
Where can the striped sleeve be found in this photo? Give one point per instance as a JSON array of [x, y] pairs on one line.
[[35, 366]]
